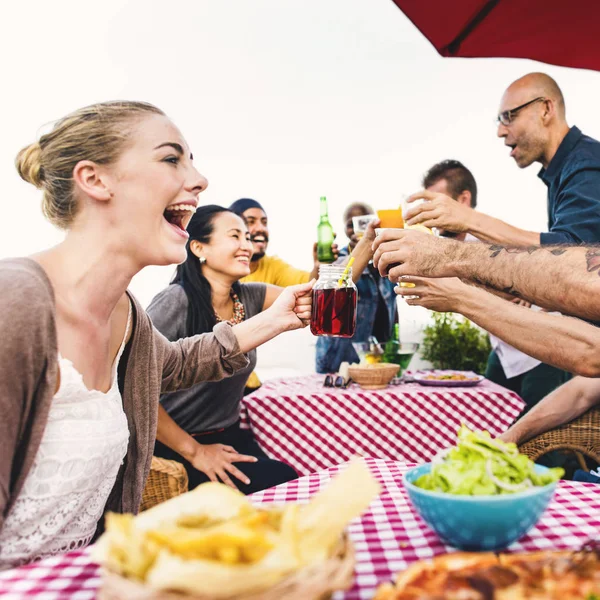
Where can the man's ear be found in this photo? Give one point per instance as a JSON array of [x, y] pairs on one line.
[[197, 248], [89, 179], [549, 110], [464, 198]]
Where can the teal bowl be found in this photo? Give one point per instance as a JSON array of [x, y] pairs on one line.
[[478, 522]]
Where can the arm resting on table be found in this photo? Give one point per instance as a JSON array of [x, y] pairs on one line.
[[564, 404]]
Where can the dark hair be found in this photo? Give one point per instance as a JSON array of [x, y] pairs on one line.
[[459, 179], [201, 314]]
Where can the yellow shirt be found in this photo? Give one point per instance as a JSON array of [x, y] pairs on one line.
[[275, 271]]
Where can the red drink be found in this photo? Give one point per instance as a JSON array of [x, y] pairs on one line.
[[334, 312]]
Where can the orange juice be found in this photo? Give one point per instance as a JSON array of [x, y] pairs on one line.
[[391, 218]]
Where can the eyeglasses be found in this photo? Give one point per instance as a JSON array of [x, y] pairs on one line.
[[507, 117], [338, 382]]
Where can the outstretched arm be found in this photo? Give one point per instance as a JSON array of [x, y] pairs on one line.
[[444, 212], [564, 342], [363, 252], [561, 406], [563, 278], [213, 356]]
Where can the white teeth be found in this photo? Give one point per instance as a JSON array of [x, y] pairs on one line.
[[187, 207]]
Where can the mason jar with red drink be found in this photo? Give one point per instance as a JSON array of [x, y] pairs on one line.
[[334, 303]]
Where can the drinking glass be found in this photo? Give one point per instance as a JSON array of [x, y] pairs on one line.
[[360, 224], [391, 218], [334, 302], [368, 352]]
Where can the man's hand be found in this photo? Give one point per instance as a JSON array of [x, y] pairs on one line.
[[401, 252], [439, 211], [442, 294], [216, 462], [292, 309]]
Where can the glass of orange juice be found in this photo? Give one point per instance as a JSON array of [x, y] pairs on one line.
[[391, 218]]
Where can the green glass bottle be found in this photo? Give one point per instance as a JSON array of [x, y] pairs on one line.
[[390, 354], [324, 236]]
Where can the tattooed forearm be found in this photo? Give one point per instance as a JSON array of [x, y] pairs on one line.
[[480, 282], [564, 278], [497, 249], [592, 259]]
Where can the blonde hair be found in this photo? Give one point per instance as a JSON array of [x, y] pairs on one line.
[[98, 133]]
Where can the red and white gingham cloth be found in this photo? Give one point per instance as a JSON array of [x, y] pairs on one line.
[[311, 427], [387, 538]]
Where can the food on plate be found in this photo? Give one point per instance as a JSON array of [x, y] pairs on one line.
[[214, 543], [450, 377], [546, 575], [479, 465]]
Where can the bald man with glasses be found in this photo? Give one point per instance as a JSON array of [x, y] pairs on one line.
[[532, 123]]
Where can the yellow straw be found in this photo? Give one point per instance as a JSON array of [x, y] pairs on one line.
[[341, 281]]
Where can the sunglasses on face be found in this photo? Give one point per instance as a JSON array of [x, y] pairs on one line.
[[332, 381], [508, 116]]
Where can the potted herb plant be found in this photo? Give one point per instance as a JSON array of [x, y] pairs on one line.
[[453, 342]]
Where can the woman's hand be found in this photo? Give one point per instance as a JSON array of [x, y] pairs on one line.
[[216, 462], [367, 238], [369, 234], [439, 294], [293, 307]]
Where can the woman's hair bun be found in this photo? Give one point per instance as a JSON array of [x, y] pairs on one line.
[[29, 164]]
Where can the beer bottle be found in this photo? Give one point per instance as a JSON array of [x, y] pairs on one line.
[[324, 236], [392, 346]]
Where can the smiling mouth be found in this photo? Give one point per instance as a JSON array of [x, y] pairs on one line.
[[179, 215]]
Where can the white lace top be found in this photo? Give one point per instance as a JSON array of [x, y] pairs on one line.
[[74, 470]]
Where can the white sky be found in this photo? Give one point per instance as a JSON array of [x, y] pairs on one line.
[[280, 100]]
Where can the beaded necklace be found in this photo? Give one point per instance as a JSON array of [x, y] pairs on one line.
[[239, 312]]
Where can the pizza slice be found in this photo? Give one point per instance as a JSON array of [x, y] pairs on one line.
[[550, 575]]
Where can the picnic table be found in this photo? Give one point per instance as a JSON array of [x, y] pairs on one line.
[[311, 427], [387, 538]]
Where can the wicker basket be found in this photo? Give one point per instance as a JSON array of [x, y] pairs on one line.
[[166, 480], [316, 582], [582, 436], [373, 377]]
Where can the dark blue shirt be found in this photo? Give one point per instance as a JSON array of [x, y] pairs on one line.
[[573, 181]]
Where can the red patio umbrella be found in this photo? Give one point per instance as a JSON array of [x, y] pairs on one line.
[[552, 31]]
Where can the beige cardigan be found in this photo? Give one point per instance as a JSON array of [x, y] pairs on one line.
[[150, 365]]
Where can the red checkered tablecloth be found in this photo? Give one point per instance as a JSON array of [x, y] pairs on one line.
[[387, 538], [310, 427]]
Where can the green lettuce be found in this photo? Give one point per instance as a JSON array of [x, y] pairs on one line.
[[481, 466]]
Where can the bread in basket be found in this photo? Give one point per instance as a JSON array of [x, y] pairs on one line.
[[212, 544]]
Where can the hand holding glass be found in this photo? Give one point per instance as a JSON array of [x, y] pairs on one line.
[[360, 224]]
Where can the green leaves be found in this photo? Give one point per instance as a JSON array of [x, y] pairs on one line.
[[451, 342], [480, 465]]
